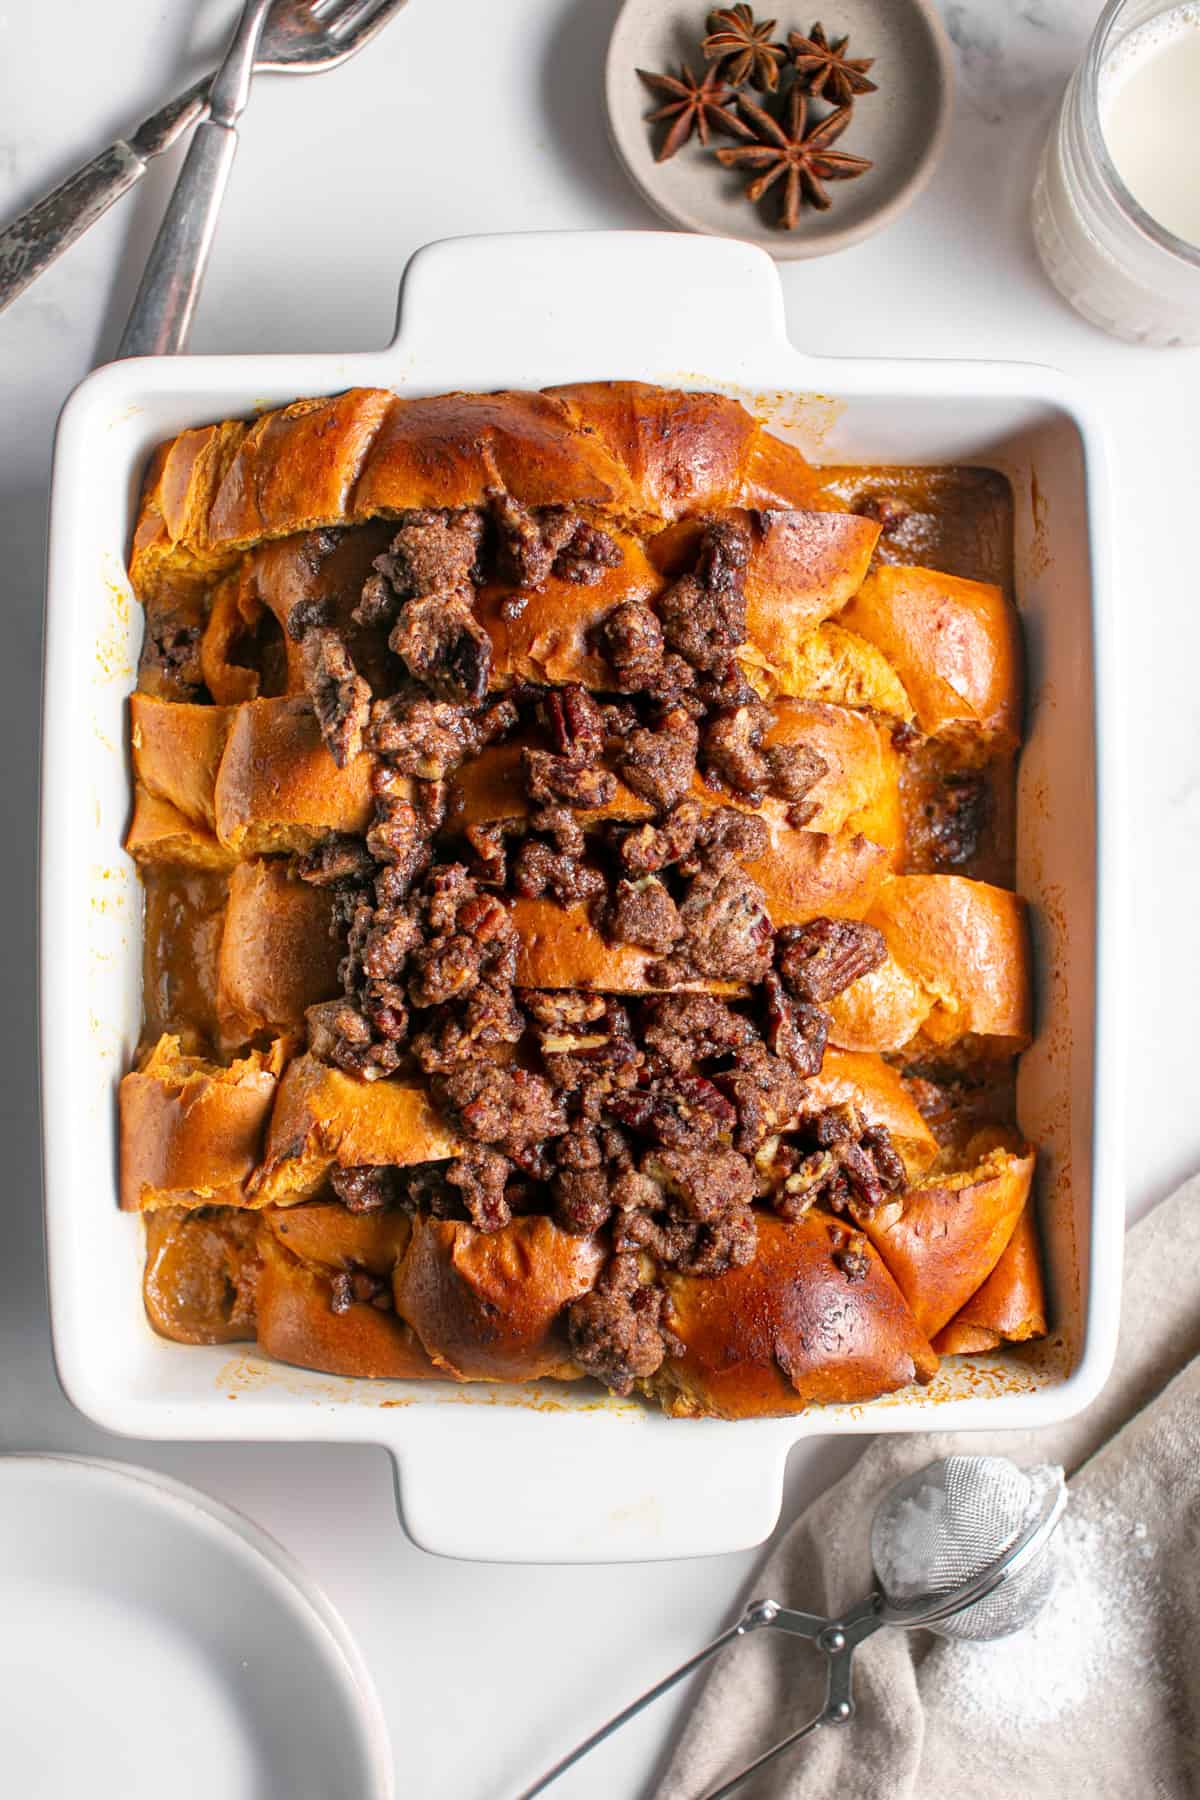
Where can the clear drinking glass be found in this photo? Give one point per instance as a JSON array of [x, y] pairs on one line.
[[1116, 265]]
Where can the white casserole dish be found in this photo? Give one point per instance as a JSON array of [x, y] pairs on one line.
[[568, 1477]]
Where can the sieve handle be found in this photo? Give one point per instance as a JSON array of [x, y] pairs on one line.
[[758, 1614], [837, 1640]]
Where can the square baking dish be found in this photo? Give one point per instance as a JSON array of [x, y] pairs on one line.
[[570, 1477]]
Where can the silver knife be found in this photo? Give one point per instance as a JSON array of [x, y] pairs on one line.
[[50, 226]]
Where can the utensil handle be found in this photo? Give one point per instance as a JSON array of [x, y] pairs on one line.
[[760, 1762], [166, 299], [758, 1614], [51, 225], [631, 1711], [162, 312]]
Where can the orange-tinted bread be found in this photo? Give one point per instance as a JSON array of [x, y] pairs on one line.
[[297, 1324], [942, 1239], [621, 447], [958, 968], [278, 788], [488, 1306], [1011, 1304], [177, 750], [954, 644], [324, 1119], [278, 955], [788, 1330], [191, 1133]]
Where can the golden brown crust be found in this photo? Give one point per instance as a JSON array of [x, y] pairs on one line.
[[954, 644], [256, 775], [278, 955], [160, 833], [191, 1133], [177, 750], [297, 1324], [958, 968], [278, 788], [488, 1306], [1010, 1307], [622, 447], [942, 1239], [788, 1330], [324, 1119]]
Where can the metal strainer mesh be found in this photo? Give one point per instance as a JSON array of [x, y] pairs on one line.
[[940, 1529]]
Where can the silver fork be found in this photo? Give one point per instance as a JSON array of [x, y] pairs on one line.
[[301, 37]]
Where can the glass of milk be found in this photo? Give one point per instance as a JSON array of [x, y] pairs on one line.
[[1116, 204]]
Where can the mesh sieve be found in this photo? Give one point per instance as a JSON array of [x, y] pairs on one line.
[[942, 1528]]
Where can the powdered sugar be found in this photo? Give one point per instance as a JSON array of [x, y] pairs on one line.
[[1098, 1622], [941, 1528]]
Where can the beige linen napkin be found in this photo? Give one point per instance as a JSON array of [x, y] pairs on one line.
[[1099, 1699]]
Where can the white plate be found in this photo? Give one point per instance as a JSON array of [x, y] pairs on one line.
[[156, 1644]]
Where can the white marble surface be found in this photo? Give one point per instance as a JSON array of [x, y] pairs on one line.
[[479, 116]]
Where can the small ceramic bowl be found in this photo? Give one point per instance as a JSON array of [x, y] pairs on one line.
[[900, 128]]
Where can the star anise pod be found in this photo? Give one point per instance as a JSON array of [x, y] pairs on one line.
[[699, 106], [824, 68], [804, 160], [741, 48]]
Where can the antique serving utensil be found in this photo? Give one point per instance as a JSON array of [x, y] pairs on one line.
[[300, 37], [958, 1548]]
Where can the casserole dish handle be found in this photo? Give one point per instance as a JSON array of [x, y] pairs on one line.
[[538, 1480], [672, 301]]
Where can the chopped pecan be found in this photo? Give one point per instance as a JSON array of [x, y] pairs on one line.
[[727, 928], [649, 848], [443, 646], [843, 1164], [687, 1028], [700, 1184], [631, 640], [480, 1177], [615, 1331], [550, 778], [733, 752], [340, 1034], [692, 1248], [426, 738], [336, 858], [818, 960], [434, 551], [851, 1252], [796, 1029], [674, 1109], [576, 722], [703, 615], [581, 1202], [642, 912], [539, 870], [659, 764], [502, 1106], [340, 697], [365, 1188]]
